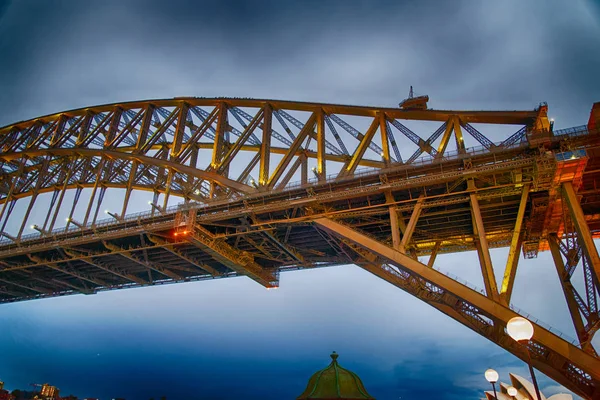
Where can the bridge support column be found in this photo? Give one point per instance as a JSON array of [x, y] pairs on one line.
[[515, 249], [385, 145], [412, 224], [483, 250], [394, 220], [568, 290], [584, 235], [434, 254], [321, 150]]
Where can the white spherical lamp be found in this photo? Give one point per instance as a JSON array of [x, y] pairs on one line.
[[511, 391], [491, 376], [520, 329]]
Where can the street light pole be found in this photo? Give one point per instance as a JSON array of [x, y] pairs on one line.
[[492, 377], [533, 379], [521, 330]]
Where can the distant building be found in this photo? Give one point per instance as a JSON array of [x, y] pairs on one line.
[[49, 391], [335, 382], [4, 394]]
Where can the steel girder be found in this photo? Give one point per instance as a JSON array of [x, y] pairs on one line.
[[460, 199]]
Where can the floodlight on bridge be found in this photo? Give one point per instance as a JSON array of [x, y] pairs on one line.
[[155, 207], [74, 222], [114, 215], [314, 170], [39, 229]]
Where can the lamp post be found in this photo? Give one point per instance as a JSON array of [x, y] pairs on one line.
[[314, 170], [492, 377], [72, 221], [114, 215], [154, 206], [521, 330], [512, 392]]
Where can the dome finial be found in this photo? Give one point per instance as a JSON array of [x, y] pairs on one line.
[[334, 356]]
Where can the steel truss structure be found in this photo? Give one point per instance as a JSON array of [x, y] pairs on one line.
[[377, 195]]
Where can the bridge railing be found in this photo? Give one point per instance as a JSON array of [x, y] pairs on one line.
[[424, 160], [448, 156], [574, 131], [515, 309]]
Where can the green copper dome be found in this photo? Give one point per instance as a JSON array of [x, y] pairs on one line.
[[335, 382]]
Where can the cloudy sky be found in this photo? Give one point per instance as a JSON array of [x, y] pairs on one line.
[[227, 339]]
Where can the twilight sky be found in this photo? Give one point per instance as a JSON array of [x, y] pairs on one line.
[[228, 339]]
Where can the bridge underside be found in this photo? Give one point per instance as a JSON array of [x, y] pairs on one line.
[[539, 193]]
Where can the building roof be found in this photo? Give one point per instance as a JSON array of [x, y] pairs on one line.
[[525, 391], [335, 382]]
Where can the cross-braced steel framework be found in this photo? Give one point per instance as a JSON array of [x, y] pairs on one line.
[[220, 176]]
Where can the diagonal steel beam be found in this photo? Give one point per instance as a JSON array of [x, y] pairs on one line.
[[412, 224], [515, 248], [446, 138], [171, 248], [240, 261], [28, 287], [583, 231], [350, 165], [483, 250], [104, 267], [150, 265], [434, 253], [140, 159], [568, 291], [68, 271], [60, 282], [296, 144]]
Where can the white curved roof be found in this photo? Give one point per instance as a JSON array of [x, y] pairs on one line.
[[561, 396], [521, 383], [525, 391], [501, 396], [521, 394]]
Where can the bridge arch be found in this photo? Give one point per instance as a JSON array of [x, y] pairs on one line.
[[370, 190]]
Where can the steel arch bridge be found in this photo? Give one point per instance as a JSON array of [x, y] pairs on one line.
[[255, 187]]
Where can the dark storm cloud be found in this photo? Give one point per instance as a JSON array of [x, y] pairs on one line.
[[466, 54]]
